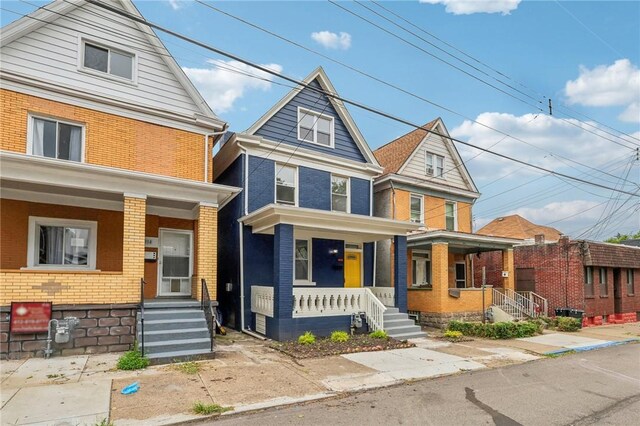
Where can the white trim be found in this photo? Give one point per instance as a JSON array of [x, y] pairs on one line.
[[82, 42], [309, 281], [453, 237], [30, 125], [32, 245], [343, 113], [309, 112], [161, 255], [434, 158], [348, 179], [295, 183], [421, 197], [418, 183], [455, 272]]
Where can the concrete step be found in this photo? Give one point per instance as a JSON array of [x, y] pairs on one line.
[[391, 310], [407, 336], [180, 356], [393, 331], [177, 345], [395, 316], [184, 333], [171, 304], [172, 324], [398, 323], [159, 314]]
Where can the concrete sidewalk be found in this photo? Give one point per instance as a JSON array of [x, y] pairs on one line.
[[245, 375]]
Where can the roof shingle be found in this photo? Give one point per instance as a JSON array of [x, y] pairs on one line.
[[394, 154], [516, 226]]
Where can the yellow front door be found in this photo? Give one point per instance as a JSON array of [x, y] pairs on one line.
[[352, 269]]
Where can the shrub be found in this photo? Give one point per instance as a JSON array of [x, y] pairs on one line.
[[379, 334], [307, 338], [498, 330], [568, 324], [339, 336], [201, 408], [452, 335], [132, 360]]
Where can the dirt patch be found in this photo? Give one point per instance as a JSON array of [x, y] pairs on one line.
[[463, 351], [325, 347]]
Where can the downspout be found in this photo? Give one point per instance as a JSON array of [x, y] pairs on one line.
[[375, 257], [393, 200], [206, 150]]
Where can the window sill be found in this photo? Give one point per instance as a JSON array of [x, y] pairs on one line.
[[331, 146], [107, 76], [589, 297], [631, 294], [50, 270], [604, 297], [304, 284], [420, 289]]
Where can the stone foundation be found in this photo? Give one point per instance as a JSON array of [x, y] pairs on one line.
[[102, 328], [442, 319]]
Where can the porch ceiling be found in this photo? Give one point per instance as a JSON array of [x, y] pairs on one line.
[[325, 223], [460, 242]]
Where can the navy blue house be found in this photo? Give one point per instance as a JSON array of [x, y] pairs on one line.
[[296, 250]]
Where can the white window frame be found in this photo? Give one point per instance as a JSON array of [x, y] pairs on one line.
[[30, 127], [348, 193], [421, 197], [424, 255], [332, 136], [589, 281], [630, 283], [434, 164], [455, 215], [33, 237], [602, 282], [309, 280], [295, 183], [134, 71]]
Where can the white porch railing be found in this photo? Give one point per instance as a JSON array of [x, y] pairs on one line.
[[321, 302], [508, 304], [262, 300], [520, 304], [537, 304], [385, 294]]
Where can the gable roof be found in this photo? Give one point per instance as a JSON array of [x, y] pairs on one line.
[[394, 154], [321, 77], [58, 8], [515, 226]]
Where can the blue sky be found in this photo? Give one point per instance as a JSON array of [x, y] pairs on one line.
[[583, 55]]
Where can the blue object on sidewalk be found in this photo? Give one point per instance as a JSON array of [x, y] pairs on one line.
[[132, 388]]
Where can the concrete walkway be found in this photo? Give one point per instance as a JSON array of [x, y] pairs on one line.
[[245, 375]]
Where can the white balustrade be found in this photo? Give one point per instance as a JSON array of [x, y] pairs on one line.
[[262, 300], [387, 295]]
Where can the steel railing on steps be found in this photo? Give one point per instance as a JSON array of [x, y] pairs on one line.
[[538, 304], [142, 283], [520, 305], [207, 308]]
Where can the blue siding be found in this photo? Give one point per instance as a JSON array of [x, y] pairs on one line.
[[315, 188], [282, 127], [368, 253], [328, 271], [290, 329], [258, 266], [229, 246], [261, 182], [283, 271], [400, 271], [360, 196]]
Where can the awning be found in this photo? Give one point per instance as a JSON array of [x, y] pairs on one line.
[[460, 242], [326, 224]]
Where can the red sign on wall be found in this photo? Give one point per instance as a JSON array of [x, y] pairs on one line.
[[30, 317]]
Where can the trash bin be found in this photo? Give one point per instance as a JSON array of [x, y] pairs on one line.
[[577, 314], [562, 312]]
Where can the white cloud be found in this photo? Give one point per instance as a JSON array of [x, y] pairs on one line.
[[585, 210], [608, 85], [332, 40], [226, 81], [467, 7], [549, 134], [175, 4]]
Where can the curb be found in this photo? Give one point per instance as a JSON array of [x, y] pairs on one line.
[[591, 347]]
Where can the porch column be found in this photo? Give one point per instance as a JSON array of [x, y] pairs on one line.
[[400, 271], [508, 266], [283, 272], [135, 206], [206, 251], [440, 274]]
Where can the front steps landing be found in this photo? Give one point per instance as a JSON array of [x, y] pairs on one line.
[[399, 326]]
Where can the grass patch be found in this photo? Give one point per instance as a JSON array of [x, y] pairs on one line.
[[103, 422], [205, 409], [190, 367], [54, 376], [559, 354], [132, 360]]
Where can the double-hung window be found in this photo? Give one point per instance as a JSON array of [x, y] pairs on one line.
[[286, 184], [340, 194], [107, 60], [416, 208], [604, 290], [450, 216], [56, 139], [630, 285], [588, 281], [421, 269], [434, 165], [61, 243], [315, 128], [302, 262]]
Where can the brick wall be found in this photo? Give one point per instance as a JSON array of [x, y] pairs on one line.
[[206, 252], [111, 140]]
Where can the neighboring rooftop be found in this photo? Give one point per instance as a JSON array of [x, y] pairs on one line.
[[515, 226], [394, 154], [634, 242]]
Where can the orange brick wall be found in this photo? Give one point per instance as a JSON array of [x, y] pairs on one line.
[[206, 252], [14, 230], [434, 212], [111, 140], [464, 217]]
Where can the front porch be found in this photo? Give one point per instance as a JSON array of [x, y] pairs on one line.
[[442, 283], [318, 271]]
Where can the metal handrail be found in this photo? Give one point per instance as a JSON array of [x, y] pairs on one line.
[[142, 283], [205, 301]]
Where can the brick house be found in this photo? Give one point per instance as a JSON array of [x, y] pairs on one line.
[[599, 278], [105, 175]]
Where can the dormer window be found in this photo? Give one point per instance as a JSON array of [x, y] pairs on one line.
[[315, 127], [434, 165], [108, 60]]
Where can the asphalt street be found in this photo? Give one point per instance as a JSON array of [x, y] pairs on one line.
[[598, 387]]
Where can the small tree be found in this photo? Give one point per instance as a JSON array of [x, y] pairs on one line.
[[622, 237]]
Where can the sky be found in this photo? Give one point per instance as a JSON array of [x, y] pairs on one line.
[[488, 68]]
